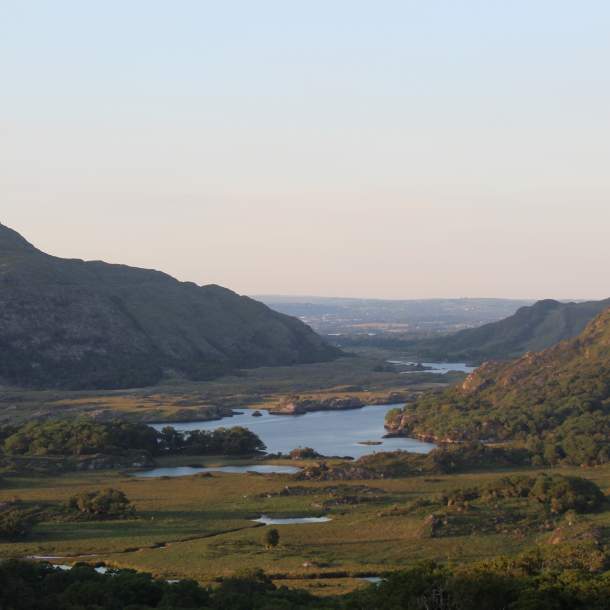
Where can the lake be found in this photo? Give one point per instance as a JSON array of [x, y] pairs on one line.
[[291, 520], [185, 471], [328, 432], [437, 368]]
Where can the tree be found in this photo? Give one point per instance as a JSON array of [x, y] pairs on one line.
[[15, 524], [105, 504], [272, 538]]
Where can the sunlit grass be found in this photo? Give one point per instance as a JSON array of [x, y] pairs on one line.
[[205, 525]]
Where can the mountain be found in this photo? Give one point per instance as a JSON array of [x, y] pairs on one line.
[[531, 328], [556, 401], [73, 324]]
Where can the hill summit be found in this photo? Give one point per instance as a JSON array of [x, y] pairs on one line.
[[557, 402], [531, 328], [73, 324]]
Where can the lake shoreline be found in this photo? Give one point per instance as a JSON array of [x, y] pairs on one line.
[[350, 433]]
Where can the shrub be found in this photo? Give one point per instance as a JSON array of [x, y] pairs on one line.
[[561, 494], [105, 504], [15, 524], [272, 538]]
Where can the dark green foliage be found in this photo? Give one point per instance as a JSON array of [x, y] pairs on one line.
[[15, 524], [221, 441], [520, 584], [105, 504], [272, 538], [80, 437], [469, 457], [557, 493], [87, 437], [556, 403], [561, 494], [449, 459], [519, 505], [499, 585]]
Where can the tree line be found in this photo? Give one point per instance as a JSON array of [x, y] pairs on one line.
[[499, 584], [87, 437]]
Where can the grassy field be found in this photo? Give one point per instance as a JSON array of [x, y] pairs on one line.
[[201, 527], [359, 376]]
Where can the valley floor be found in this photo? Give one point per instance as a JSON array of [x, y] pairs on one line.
[[202, 527], [366, 376]]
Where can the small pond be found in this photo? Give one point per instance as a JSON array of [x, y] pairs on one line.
[[291, 520], [436, 368], [185, 471], [65, 567]]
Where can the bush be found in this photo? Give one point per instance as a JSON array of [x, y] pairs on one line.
[[304, 453], [222, 441], [105, 504], [15, 524], [272, 538], [474, 456], [561, 494], [557, 493]]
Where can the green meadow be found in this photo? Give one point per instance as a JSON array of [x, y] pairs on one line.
[[201, 527]]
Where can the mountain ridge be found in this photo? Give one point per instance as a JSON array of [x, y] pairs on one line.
[[69, 323], [531, 328], [556, 401]]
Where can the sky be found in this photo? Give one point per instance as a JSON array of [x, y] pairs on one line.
[[390, 149]]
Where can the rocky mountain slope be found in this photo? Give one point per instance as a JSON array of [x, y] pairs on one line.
[[76, 324], [531, 328], [556, 401]]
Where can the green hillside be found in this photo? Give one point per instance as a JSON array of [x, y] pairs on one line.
[[75, 324], [556, 402], [531, 328]]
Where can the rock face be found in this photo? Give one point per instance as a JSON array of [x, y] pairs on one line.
[[84, 325], [299, 406], [533, 328]]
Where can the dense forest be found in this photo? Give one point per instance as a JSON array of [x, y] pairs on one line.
[[556, 403]]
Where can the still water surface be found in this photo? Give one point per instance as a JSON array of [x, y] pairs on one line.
[[291, 520], [437, 368], [328, 432], [184, 471]]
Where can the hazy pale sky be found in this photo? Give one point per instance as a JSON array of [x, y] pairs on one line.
[[335, 147]]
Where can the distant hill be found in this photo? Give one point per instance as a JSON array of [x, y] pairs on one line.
[[556, 402], [531, 328], [75, 324]]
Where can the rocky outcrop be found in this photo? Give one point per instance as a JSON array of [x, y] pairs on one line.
[[403, 423], [298, 406], [304, 453]]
